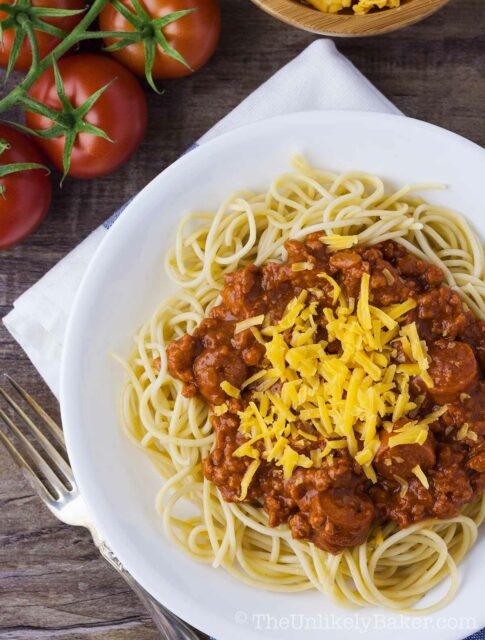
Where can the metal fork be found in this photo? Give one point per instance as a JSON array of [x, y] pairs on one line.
[[61, 495]]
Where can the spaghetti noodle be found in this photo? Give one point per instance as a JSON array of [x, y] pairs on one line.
[[393, 568]]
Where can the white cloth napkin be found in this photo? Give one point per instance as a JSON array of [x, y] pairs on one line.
[[319, 78]]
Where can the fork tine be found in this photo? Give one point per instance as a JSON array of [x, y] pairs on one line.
[[17, 457], [36, 457], [58, 460], [54, 428]]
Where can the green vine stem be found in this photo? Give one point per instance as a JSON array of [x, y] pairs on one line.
[[38, 67], [8, 169]]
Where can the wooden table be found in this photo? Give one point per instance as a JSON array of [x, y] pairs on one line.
[[53, 584]]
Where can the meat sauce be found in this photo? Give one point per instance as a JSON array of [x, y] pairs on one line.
[[334, 506]]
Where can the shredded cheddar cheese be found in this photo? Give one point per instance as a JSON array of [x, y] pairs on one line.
[[359, 7], [257, 334], [230, 390], [302, 266], [404, 486], [415, 434], [336, 287], [364, 6], [418, 351], [221, 409], [248, 476], [337, 242], [398, 310], [420, 475], [328, 400], [248, 323], [291, 459]]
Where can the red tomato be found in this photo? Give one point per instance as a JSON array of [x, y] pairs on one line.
[[45, 41], [121, 112], [194, 36], [27, 194]]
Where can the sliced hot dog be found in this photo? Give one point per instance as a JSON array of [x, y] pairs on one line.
[[402, 459], [453, 368]]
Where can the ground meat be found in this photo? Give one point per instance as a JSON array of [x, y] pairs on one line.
[[251, 351], [299, 252], [221, 467], [214, 366], [386, 284], [468, 410], [391, 251], [477, 462], [212, 333], [340, 475], [350, 267], [404, 508], [450, 488], [315, 246], [335, 505], [474, 335], [328, 505], [450, 481], [429, 275], [242, 293], [181, 355], [300, 526], [440, 314]]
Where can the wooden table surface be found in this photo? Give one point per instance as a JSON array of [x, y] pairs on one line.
[[53, 583]]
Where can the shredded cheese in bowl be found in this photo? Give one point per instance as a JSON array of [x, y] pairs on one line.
[[360, 7]]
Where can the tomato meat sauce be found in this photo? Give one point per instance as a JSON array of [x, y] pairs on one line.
[[335, 506]]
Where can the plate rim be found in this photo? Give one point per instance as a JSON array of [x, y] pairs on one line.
[[66, 393]]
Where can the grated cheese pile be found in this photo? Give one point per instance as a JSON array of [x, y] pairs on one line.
[[348, 398], [360, 7]]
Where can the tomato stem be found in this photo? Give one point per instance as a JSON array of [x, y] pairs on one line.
[[68, 121], [91, 35], [149, 31], [39, 67]]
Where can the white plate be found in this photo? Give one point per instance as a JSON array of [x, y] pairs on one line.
[[124, 283]]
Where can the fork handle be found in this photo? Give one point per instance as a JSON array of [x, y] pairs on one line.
[[170, 626]]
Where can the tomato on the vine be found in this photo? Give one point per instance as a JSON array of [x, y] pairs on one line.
[[120, 112], [25, 195], [193, 36], [46, 42]]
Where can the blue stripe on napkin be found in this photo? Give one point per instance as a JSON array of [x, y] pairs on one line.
[[114, 217]]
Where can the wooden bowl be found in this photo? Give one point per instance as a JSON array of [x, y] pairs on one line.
[[347, 25]]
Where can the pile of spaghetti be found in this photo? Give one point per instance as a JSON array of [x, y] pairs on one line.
[[312, 394], [359, 7]]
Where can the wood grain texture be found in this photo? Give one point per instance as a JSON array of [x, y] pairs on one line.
[[346, 24], [53, 584]]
